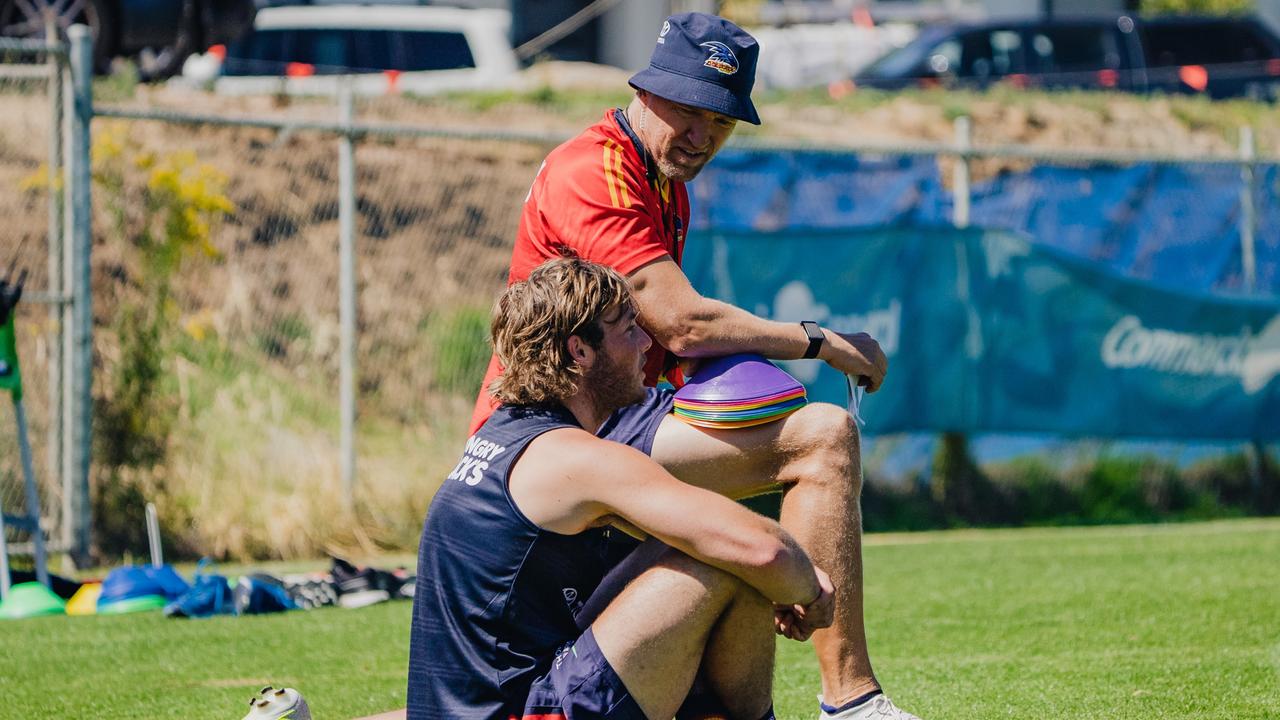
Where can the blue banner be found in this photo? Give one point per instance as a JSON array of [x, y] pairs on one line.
[[1175, 225], [989, 332]]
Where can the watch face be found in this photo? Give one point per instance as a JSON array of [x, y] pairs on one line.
[[816, 338]]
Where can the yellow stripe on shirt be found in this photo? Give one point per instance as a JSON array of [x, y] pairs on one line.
[[608, 172], [617, 172]]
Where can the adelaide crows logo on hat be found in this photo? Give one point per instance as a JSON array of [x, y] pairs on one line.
[[720, 57]]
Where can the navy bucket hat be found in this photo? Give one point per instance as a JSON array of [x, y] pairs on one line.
[[706, 62]]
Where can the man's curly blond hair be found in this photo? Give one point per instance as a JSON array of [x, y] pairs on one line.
[[533, 320]]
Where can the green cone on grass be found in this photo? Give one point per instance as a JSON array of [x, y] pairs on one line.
[[31, 599], [133, 605]]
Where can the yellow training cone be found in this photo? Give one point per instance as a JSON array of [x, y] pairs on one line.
[[85, 601]]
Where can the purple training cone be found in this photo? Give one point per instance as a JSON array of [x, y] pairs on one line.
[[737, 378]]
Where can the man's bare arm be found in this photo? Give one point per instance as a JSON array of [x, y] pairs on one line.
[[569, 480], [690, 325]]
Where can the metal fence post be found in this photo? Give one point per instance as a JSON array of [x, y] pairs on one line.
[[70, 493], [1248, 214], [58, 306], [81, 235], [347, 292], [960, 188]]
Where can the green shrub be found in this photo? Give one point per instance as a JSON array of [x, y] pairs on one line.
[[286, 333], [963, 492], [459, 343], [1035, 491], [888, 508], [162, 209], [1246, 484], [1207, 7]]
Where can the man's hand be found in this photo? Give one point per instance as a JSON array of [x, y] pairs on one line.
[[857, 355], [798, 622]]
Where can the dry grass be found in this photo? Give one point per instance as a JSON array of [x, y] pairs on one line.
[[253, 470]]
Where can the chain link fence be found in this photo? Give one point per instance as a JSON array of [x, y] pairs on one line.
[[256, 446], [31, 78], [225, 321], [246, 457]]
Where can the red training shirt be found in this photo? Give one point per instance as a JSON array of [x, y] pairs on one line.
[[592, 195]]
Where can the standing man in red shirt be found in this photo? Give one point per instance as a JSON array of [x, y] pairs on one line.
[[616, 195]]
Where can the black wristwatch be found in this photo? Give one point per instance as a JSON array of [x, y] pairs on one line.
[[816, 338]]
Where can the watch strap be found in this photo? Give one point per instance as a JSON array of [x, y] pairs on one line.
[[816, 338]]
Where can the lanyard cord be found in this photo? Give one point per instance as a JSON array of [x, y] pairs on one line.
[[856, 392], [669, 209]]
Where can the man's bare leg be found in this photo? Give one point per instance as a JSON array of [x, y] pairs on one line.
[[744, 631], [813, 454], [680, 615]]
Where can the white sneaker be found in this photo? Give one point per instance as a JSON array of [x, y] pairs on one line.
[[282, 704], [879, 707]]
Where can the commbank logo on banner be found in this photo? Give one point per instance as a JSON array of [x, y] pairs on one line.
[[1254, 359]]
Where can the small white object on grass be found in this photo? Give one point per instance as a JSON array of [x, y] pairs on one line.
[[153, 536], [273, 704]]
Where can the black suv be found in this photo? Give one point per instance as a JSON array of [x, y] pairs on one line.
[[1220, 56]]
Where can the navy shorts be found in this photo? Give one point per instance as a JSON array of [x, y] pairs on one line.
[[581, 685], [636, 424]]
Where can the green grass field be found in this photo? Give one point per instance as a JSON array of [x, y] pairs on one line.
[[1176, 621]]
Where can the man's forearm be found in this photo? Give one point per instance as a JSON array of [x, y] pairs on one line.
[[760, 553], [717, 328], [712, 328]]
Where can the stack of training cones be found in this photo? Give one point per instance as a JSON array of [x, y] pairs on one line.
[[738, 391]]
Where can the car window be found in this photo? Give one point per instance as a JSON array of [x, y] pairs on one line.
[[909, 60], [256, 52], [1203, 44], [942, 59], [1074, 49], [1006, 52], [435, 51], [333, 51], [991, 53]]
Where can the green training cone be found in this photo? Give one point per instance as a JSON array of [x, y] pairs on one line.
[[31, 599], [132, 605]]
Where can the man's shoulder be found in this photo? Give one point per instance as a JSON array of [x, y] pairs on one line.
[[600, 146], [568, 448], [566, 444]]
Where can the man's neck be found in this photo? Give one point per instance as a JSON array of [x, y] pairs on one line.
[[587, 411], [634, 113]]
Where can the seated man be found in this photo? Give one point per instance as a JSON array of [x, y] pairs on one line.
[[510, 556], [616, 194]]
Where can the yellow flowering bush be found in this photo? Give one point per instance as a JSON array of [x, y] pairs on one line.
[[163, 208]]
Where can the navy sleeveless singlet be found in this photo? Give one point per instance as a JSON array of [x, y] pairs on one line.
[[496, 594]]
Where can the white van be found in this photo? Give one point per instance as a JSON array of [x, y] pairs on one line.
[[305, 49]]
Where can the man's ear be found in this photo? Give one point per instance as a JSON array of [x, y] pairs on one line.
[[581, 353]]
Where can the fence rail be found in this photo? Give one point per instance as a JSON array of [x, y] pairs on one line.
[[358, 130]]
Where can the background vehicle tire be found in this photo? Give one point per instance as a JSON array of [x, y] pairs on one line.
[[26, 19], [166, 61]]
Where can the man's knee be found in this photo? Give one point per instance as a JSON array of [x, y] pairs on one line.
[[712, 578], [717, 587], [823, 443]]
